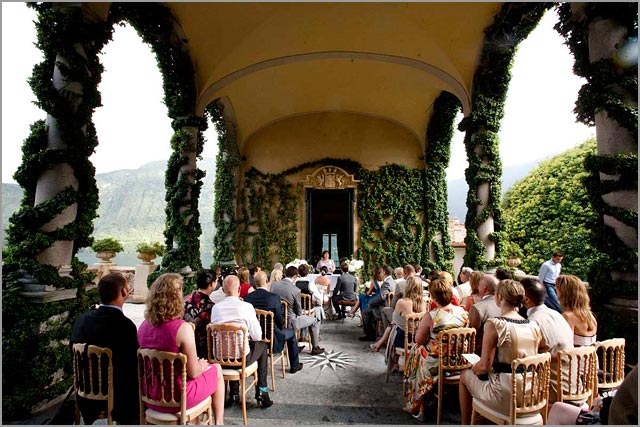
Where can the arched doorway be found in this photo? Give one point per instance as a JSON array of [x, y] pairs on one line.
[[330, 197]]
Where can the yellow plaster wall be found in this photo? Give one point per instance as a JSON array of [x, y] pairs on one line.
[[371, 141]]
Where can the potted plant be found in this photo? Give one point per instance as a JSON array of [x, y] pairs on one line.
[[107, 248], [513, 253], [149, 251]]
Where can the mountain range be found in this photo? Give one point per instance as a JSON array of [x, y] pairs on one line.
[[132, 202]]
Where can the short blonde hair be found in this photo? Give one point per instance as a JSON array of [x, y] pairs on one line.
[[164, 301], [511, 292], [276, 275], [441, 291]]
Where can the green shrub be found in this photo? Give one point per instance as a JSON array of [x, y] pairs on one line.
[[153, 248], [107, 245]]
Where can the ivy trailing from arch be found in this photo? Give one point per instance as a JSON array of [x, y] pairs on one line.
[[183, 180], [611, 88], [491, 79], [438, 153]]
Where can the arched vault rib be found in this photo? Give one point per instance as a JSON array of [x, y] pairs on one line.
[[455, 86]]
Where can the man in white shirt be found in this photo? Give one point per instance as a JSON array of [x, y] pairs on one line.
[[232, 310], [549, 272], [556, 332]]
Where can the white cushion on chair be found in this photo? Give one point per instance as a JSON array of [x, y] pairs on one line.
[[534, 418], [234, 374], [155, 417]]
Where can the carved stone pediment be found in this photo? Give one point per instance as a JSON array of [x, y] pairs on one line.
[[330, 178]]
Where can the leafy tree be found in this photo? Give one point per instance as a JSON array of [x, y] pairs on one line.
[[549, 210]]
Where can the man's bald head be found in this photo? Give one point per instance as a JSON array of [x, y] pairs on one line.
[[487, 285], [260, 279], [231, 286]]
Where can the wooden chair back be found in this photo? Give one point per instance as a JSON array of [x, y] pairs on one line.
[[453, 344], [162, 379], [390, 296], [307, 304], [411, 323], [265, 318], [93, 376], [610, 356], [228, 345], [529, 396], [580, 371], [285, 312]]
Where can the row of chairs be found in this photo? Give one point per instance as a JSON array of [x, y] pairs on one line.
[[585, 382]]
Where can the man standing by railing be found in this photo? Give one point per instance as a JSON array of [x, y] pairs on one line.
[[549, 272]]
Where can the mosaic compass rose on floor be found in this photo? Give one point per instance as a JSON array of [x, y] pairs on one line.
[[328, 359]]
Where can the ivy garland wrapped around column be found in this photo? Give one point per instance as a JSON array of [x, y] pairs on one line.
[[611, 88], [39, 333], [438, 152], [183, 180], [491, 79]]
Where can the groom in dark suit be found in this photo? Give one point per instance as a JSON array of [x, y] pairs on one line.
[[262, 299], [107, 326]]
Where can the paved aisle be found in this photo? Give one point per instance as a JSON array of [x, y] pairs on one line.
[[346, 385]]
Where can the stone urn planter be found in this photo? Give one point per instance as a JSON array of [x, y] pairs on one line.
[[514, 262], [147, 257], [105, 256]]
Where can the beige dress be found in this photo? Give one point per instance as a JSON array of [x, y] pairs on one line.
[[516, 338]]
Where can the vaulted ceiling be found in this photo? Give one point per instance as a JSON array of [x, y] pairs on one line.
[[277, 60]]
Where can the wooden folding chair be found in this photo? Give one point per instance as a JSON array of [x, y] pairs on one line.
[[453, 344], [581, 375], [307, 304], [610, 356], [265, 318], [529, 397], [228, 345], [162, 378], [93, 377]]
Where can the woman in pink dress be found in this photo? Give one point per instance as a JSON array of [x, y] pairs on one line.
[[164, 329]]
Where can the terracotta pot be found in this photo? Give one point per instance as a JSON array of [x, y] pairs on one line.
[[105, 256], [147, 257]]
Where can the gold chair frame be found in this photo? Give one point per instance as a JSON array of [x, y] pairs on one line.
[[529, 396], [453, 344], [581, 375], [610, 354], [84, 377], [166, 367], [225, 348], [411, 323], [265, 318]]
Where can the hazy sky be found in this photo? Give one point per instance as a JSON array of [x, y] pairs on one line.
[[133, 127]]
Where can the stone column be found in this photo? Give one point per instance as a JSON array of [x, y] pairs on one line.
[[60, 176]]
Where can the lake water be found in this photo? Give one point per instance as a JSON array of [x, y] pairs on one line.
[[125, 259]]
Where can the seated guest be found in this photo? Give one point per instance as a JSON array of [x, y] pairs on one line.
[[107, 326], [371, 293], [422, 364], [463, 289], [262, 299], [474, 279], [498, 353], [503, 274], [253, 269], [197, 309], [373, 312], [276, 275], [576, 309], [309, 288], [556, 333], [485, 309], [287, 291], [387, 312], [345, 289], [245, 286], [324, 286], [164, 329], [232, 310], [448, 278], [411, 302]]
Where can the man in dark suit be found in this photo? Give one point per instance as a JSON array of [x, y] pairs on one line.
[[345, 289], [107, 326], [287, 291], [262, 299], [374, 310]]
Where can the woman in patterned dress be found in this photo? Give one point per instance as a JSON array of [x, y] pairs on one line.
[[422, 365]]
